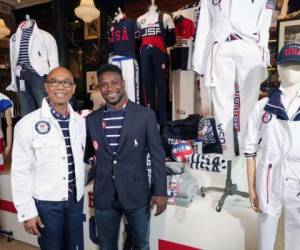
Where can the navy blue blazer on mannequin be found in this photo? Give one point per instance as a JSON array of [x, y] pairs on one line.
[[126, 171]]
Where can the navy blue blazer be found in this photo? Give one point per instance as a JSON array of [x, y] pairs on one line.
[[126, 171]]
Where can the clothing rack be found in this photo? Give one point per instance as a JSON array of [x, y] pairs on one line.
[[7, 234], [229, 189]]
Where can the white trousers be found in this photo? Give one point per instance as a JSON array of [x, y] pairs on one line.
[[268, 223], [130, 72], [234, 62]]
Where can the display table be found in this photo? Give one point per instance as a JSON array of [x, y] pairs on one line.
[[196, 227]]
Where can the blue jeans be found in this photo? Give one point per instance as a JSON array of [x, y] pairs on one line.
[[63, 222], [31, 98], [108, 225]]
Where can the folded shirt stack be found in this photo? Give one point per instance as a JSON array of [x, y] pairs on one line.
[[182, 186]]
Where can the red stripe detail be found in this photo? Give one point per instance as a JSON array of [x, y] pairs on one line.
[[7, 206], [167, 245]]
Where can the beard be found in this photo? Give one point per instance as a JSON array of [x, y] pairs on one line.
[[115, 102]]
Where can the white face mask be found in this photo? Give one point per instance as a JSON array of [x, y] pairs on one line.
[[289, 74]]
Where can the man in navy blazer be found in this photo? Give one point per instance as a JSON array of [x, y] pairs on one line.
[[119, 136]]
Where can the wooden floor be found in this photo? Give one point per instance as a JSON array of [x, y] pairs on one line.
[[15, 245]]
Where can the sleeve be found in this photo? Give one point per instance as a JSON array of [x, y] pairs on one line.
[[264, 24], [89, 148], [13, 85], [5, 104], [193, 30], [252, 135], [202, 39], [22, 158], [168, 22], [158, 171], [52, 52], [137, 32]]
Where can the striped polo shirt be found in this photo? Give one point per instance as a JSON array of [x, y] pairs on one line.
[[63, 121], [112, 125], [24, 44]]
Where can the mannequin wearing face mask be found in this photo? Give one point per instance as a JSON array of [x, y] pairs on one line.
[[274, 130]]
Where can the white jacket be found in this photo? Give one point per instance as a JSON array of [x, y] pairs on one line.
[[250, 20], [39, 160], [276, 136], [42, 51]]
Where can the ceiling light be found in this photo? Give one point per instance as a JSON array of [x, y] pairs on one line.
[[4, 31], [87, 11]]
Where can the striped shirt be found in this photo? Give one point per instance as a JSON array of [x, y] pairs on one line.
[[112, 125], [23, 53], [63, 121]]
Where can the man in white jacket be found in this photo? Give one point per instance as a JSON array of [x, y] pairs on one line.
[[33, 53], [47, 172]]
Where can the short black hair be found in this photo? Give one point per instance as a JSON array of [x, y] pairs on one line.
[[109, 68]]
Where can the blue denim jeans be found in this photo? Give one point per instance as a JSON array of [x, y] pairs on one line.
[[108, 225], [63, 222], [31, 98]]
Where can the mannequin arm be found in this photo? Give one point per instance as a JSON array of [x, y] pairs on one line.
[[251, 171], [284, 9], [8, 145]]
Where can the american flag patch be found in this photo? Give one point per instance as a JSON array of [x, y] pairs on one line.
[[270, 4]]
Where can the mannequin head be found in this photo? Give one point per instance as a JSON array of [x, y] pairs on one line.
[[289, 74], [119, 15], [288, 64], [152, 8]]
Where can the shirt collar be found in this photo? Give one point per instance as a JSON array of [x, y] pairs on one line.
[[107, 109]]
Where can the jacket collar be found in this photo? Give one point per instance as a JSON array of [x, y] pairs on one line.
[[274, 106], [35, 29], [46, 112]]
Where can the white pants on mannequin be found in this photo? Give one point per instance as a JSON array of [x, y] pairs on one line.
[[268, 223], [130, 72], [233, 62]]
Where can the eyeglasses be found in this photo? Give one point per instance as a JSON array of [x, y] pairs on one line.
[[64, 83]]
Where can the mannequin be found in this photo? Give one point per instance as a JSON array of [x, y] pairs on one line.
[[274, 127], [231, 52], [182, 75], [124, 32], [33, 53], [6, 108], [288, 7], [155, 28]]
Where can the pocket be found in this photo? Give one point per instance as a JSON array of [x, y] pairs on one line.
[[45, 149], [268, 180]]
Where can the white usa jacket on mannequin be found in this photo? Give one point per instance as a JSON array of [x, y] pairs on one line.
[[42, 51], [249, 19], [40, 169]]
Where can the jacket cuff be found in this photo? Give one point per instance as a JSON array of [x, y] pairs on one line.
[[27, 211]]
